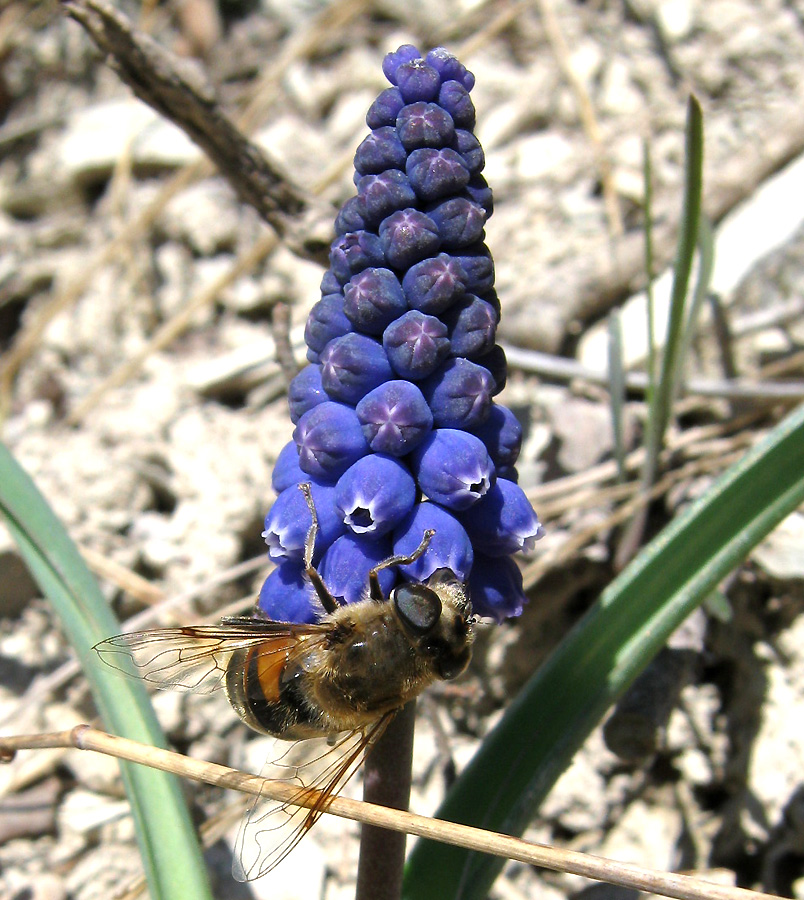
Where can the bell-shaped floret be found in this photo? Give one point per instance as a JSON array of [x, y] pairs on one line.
[[305, 391], [351, 217], [353, 252], [453, 468], [459, 394], [449, 548], [385, 109], [289, 520], [416, 344], [286, 595], [287, 470], [436, 173], [471, 152], [449, 67], [503, 522], [353, 365], [472, 324], [384, 193], [460, 222], [375, 494], [330, 438], [502, 435], [424, 125], [346, 564], [373, 299], [326, 321], [395, 418], [455, 99], [381, 150], [495, 586], [433, 285], [417, 81], [408, 236], [405, 53]]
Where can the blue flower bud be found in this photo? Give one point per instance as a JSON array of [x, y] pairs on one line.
[[330, 438], [472, 326], [436, 173], [509, 473], [286, 595], [326, 321], [408, 236], [453, 468], [287, 470], [385, 193], [459, 394], [289, 520], [479, 267], [352, 217], [353, 365], [503, 522], [495, 362], [305, 391], [416, 344], [353, 252], [433, 285], [385, 109], [382, 149], [330, 284], [495, 586], [502, 435], [375, 494], [471, 152], [417, 81], [423, 125], [455, 99], [449, 67], [373, 299], [346, 564], [460, 222], [395, 418], [449, 548], [403, 54], [479, 192]]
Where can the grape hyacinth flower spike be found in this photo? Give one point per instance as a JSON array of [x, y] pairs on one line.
[[397, 430]]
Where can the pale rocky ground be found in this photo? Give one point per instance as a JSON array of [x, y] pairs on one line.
[[168, 475]]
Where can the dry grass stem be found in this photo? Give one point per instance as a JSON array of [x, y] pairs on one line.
[[682, 887]]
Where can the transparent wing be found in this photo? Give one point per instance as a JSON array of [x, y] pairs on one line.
[[195, 657], [270, 829]]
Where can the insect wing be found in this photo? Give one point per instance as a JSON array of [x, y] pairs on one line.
[[270, 829], [195, 658]]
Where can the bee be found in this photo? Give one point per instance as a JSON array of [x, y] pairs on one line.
[[342, 679]]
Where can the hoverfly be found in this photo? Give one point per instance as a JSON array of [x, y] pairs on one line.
[[342, 678]]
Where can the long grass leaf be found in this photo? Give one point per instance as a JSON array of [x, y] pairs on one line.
[[169, 848]]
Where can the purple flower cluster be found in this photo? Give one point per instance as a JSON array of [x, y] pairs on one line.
[[397, 430]]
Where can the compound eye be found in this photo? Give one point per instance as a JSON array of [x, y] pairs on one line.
[[418, 607]]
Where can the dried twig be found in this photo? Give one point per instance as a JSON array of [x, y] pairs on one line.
[[626, 875], [178, 90]]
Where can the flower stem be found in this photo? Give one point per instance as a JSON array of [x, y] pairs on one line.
[[387, 776]]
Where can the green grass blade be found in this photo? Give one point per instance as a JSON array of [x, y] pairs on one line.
[[688, 237], [617, 391], [706, 265], [647, 178], [534, 742], [170, 852]]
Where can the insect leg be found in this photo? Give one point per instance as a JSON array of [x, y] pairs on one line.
[[329, 603], [375, 591]]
